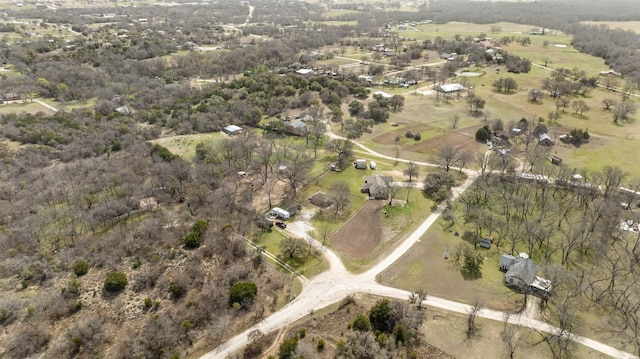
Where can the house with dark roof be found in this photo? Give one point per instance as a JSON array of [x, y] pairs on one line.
[[521, 273], [377, 186]]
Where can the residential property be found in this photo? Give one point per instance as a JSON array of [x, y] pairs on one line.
[[11, 96], [521, 273], [377, 186], [321, 199], [232, 130], [296, 127], [304, 72]]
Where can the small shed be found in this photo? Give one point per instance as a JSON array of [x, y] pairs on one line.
[[546, 140], [555, 160], [280, 213], [485, 243], [232, 130], [360, 164]]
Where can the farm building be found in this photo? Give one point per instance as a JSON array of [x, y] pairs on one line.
[[360, 164], [555, 160], [521, 273], [280, 213], [449, 88], [546, 140], [232, 130], [377, 186]]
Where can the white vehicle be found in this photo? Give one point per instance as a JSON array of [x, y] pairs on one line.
[[372, 165]]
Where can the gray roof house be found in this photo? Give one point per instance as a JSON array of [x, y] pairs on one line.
[[521, 273], [377, 186], [296, 127]]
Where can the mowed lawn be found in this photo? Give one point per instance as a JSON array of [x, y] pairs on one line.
[[424, 267], [28, 107]]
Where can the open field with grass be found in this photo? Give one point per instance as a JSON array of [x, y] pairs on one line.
[[28, 107], [464, 29], [185, 145], [425, 267]]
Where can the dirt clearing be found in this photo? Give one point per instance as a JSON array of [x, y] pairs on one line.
[[360, 236]]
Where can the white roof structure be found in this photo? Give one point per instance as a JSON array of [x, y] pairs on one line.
[[450, 88], [304, 71], [383, 94]]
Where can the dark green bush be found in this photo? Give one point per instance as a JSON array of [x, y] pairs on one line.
[[242, 291], [115, 282], [81, 268], [192, 240]]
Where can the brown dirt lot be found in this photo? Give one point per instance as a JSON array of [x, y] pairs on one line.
[[464, 138], [360, 236]]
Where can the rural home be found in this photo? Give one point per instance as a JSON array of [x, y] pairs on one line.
[[304, 72], [321, 199], [377, 186], [521, 273], [11, 96], [296, 127], [232, 130]]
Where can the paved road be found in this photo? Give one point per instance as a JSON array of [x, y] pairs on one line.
[[333, 285]]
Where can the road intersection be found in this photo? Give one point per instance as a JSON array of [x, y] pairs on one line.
[[336, 283]]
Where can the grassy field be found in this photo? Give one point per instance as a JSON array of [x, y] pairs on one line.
[[28, 107], [185, 145], [464, 29], [425, 267]]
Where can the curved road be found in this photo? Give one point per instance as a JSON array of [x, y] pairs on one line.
[[333, 285]]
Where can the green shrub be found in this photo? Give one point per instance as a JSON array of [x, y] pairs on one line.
[[115, 282], [192, 240], [200, 226], [361, 323], [81, 268], [148, 303], [287, 348], [302, 333], [176, 290], [321, 345], [242, 291]]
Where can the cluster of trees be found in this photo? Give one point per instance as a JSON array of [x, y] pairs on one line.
[[388, 326], [87, 210], [563, 227]]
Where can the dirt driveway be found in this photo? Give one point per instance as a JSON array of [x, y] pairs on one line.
[[360, 236]]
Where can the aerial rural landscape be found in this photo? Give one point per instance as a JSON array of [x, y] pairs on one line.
[[319, 179]]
